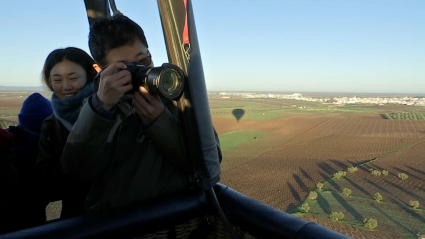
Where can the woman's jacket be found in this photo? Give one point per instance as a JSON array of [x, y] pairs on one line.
[[54, 184]]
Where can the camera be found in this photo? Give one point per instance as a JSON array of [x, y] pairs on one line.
[[166, 81]]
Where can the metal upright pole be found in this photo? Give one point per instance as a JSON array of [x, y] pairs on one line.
[[97, 9], [179, 29], [176, 15]]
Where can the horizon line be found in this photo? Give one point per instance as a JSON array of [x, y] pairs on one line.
[[255, 91]]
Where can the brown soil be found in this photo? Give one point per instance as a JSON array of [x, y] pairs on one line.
[[353, 232], [13, 103], [13, 100], [301, 150], [410, 161]]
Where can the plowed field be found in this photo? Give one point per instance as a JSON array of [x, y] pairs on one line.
[[286, 151], [296, 151]]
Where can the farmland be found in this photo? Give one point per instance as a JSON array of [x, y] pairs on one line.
[[277, 151], [11, 103], [307, 143], [406, 116]]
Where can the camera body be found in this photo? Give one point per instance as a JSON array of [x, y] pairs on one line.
[[166, 81]]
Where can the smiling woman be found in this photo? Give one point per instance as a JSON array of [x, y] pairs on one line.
[[66, 71], [69, 73], [67, 79]]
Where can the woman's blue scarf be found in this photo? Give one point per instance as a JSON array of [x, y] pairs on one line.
[[68, 109]]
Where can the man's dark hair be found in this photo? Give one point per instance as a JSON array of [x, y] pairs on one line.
[[109, 33]]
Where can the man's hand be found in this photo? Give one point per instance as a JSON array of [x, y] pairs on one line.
[[113, 85], [147, 106]]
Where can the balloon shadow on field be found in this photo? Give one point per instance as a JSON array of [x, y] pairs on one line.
[[238, 113]]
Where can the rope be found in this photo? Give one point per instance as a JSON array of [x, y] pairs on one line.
[[211, 195], [114, 8]]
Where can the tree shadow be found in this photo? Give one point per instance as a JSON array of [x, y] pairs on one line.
[[339, 164], [348, 207], [364, 168], [384, 116], [376, 167], [300, 183], [358, 187], [359, 163], [380, 188], [414, 169], [404, 190], [392, 219], [352, 163], [332, 182], [408, 210], [305, 174], [294, 192], [404, 171], [323, 203], [327, 168]]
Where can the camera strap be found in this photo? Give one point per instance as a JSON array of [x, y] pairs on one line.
[[186, 40]]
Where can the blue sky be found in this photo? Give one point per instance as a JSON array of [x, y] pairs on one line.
[[271, 45]]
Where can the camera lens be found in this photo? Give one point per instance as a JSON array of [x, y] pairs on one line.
[[170, 81], [166, 80]]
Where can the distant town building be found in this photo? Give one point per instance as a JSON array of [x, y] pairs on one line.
[[417, 101]]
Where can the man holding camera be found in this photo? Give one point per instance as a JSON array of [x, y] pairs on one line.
[[130, 146]]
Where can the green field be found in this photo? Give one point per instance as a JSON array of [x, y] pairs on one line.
[[252, 110], [406, 116], [241, 146], [274, 108], [4, 124], [232, 139], [251, 149], [4, 113], [388, 214]]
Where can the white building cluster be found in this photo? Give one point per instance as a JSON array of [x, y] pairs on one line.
[[380, 100], [405, 100]]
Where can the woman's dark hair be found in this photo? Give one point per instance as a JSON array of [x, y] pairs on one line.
[[73, 54], [109, 33]]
